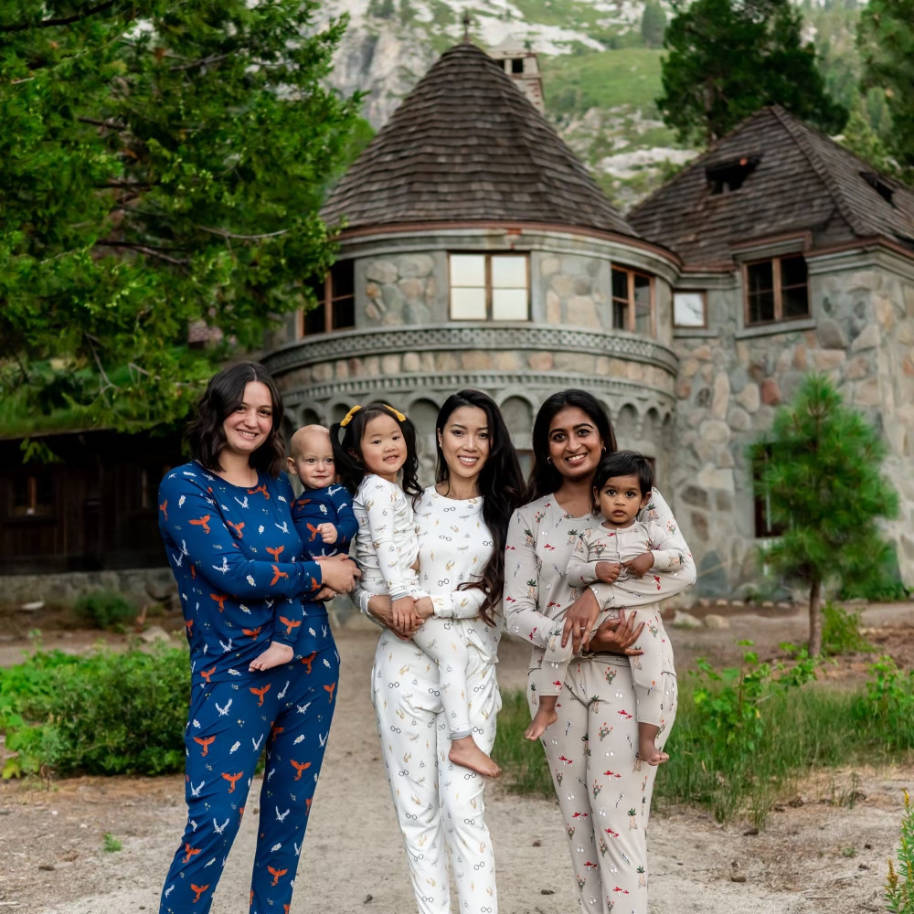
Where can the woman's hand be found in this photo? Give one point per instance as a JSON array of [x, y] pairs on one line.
[[379, 605], [404, 616], [607, 572], [640, 564], [425, 608], [579, 620], [338, 572], [616, 636]]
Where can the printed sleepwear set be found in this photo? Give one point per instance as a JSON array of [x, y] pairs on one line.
[[616, 544], [604, 791], [440, 806], [328, 505], [386, 550], [234, 551]]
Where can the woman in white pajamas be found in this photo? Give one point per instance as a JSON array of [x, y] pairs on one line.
[[604, 792], [461, 524]]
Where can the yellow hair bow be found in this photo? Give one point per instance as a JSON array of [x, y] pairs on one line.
[[348, 417], [401, 417]]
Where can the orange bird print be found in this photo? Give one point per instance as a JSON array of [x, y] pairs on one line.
[[275, 551], [277, 574], [206, 675], [205, 742], [202, 522], [262, 489], [220, 600], [198, 890], [290, 624], [330, 688], [313, 531], [276, 874], [260, 693], [190, 852], [300, 767], [237, 528], [232, 779], [251, 632], [307, 661], [164, 509]]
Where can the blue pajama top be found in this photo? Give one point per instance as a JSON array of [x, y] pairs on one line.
[[332, 504], [235, 556]]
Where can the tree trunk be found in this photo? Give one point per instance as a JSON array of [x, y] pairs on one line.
[[815, 618]]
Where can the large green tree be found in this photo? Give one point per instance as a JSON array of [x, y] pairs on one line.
[[820, 473], [886, 42], [728, 58], [161, 163]]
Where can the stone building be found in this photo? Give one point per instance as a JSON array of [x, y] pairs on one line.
[[476, 251]]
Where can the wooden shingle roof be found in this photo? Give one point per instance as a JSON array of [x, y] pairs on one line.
[[466, 146], [796, 180]]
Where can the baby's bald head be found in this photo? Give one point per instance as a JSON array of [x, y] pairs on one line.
[[311, 437], [311, 456]]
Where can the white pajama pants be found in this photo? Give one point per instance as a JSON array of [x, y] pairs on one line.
[[604, 792], [440, 806]]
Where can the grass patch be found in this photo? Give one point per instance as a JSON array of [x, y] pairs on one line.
[[744, 735]]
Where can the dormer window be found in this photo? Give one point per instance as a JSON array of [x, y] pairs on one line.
[[726, 177]]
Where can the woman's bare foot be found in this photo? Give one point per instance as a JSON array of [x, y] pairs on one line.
[[543, 718], [465, 752], [275, 655], [647, 748]]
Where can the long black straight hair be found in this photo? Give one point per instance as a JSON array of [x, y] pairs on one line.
[[501, 485]]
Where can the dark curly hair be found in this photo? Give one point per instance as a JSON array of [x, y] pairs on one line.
[[347, 447], [223, 394], [501, 486], [544, 477]]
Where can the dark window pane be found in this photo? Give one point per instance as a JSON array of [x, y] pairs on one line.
[[620, 284], [761, 307], [517, 65], [344, 313], [793, 271], [620, 310], [342, 281], [760, 277], [315, 320], [794, 302]]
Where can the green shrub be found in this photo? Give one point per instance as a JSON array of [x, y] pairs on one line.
[[523, 761], [841, 631], [886, 709], [105, 609], [104, 714], [899, 886]]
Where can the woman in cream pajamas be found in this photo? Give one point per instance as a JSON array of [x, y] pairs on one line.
[[461, 524], [604, 792]]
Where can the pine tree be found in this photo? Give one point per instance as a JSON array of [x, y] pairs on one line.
[[160, 164], [820, 473]]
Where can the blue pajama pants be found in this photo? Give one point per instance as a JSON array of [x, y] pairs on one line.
[[288, 711]]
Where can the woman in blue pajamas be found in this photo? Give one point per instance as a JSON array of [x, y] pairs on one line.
[[244, 581]]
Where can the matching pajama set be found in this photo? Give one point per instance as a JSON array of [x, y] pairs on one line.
[[604, 791], [617, 544], [236, 556], [440, 806], [386, 549], [328, 505]]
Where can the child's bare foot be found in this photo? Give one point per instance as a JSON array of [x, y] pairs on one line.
[[465, 752], [647, 748], [541, 720], [275, 655]]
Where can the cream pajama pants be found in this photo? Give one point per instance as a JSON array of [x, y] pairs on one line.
[[440, 806], [604, 792]]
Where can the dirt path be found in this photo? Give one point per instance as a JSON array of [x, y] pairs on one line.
[[816, 855]]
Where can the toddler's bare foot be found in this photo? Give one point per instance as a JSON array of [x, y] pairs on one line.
[[541, 720], [275, 655], [465, 752], [648, 752]]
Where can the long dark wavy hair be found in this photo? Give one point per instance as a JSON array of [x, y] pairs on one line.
[[347, 447], [544, 477], [222, 396], [501, 486]]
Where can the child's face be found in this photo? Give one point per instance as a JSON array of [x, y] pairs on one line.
[[312, 458], [383, 447], [619, 499]]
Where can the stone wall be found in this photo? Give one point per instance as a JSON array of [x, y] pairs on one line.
[[140, 585], [732, 379]]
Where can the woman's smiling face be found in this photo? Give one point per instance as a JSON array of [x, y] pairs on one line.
[[575, 445]]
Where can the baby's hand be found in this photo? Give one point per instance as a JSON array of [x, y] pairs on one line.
[[327, 532], [608, 572], [403, 611], [641, 564], [425, 607]]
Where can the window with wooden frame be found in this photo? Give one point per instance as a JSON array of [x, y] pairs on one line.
[[489, 287], [690, 310], [335, 309], [776, 290], [632, 301]]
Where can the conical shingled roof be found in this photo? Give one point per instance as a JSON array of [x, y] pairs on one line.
[[804, 181], [466, 146]]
